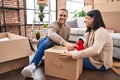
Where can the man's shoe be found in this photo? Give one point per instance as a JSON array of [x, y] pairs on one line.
[[28, 70]]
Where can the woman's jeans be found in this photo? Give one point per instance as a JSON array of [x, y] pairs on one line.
[[42, 45], [88, 65]]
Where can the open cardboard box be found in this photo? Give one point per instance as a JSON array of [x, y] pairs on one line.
[[15, 48], [57, 68]]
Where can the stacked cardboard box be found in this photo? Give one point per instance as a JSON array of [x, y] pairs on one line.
[[110, 12]]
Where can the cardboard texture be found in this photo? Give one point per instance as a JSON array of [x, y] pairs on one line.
[[16, 47], [14, 52], [57, 68], [13, 64], [111, 14], [108, 6]]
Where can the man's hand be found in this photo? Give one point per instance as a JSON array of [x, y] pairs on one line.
[[69, 46]]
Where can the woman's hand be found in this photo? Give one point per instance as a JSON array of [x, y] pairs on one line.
[[67, 57]]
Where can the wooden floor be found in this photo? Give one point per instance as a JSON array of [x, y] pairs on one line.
[[39, 75]]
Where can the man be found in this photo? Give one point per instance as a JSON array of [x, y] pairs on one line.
[[58, 33]]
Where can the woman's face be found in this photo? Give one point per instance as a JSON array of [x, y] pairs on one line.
[[89, 21]]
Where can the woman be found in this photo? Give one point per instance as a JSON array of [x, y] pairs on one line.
[[97, 54]]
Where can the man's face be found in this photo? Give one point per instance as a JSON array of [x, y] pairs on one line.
[[62, 17]]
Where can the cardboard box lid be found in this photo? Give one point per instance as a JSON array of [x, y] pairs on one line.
[[57, 49], [11, 36]]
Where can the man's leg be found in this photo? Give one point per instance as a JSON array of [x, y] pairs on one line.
[[40, 41], [43, 45]]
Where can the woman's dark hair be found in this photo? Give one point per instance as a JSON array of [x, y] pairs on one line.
[[98, 20]]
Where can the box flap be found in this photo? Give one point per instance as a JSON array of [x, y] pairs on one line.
[[14, 36], [57, 49]]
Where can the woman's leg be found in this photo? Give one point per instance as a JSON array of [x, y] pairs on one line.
[[45, 44], [88, 65]]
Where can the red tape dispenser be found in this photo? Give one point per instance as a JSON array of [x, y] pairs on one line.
[[80, 44]]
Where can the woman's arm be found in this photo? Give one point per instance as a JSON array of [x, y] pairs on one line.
[[98, 44]]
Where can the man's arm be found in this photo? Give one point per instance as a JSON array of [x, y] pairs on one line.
[[52, 34]]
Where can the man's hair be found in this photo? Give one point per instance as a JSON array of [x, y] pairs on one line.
[[64, 10]]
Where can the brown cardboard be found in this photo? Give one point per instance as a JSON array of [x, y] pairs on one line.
[[16, 47], [13, 64], [112, 21], [57, 68], [110, 13], [108, 6]]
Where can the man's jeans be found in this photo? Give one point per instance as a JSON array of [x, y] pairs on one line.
[[42, 45]]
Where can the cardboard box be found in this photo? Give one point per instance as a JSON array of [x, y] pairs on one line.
[[111, 15], [14, 48], [13, 64], [57, 68]]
